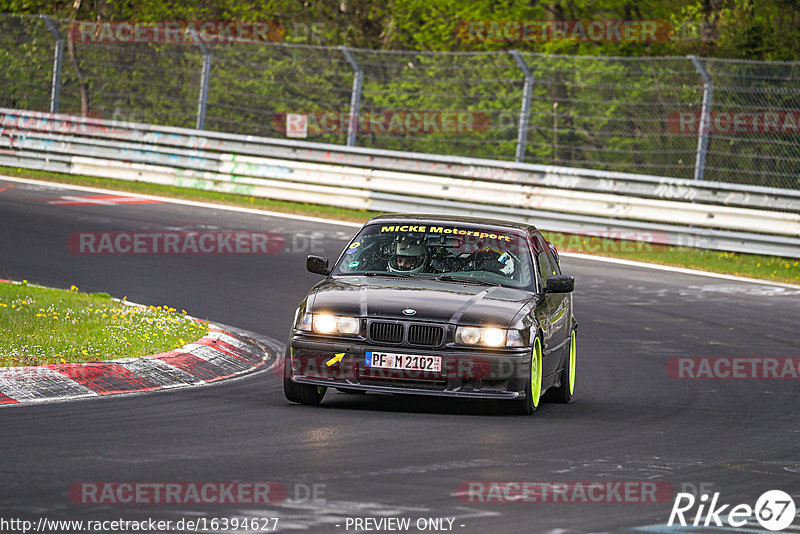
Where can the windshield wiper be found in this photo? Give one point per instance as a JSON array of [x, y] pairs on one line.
[[452, 278], [382, 273]]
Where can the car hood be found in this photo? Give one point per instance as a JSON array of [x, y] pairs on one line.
[[434, 301]]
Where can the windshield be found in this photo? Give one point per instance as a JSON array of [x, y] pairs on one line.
[[493, 256]]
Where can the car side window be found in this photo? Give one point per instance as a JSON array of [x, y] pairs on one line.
[[548, 266], [551, 253], [545, 268]]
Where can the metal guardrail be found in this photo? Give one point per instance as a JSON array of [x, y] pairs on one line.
[[663, 210]]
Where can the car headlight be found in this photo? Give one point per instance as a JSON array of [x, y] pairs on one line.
[[493, 337], [514, 339], [323, 323], [468, 335], [348, 325], [489, 336]]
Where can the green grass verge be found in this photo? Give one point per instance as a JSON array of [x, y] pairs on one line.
[[771, 268], [40, 325]]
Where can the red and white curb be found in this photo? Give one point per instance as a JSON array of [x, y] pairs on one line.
[[218, 355]]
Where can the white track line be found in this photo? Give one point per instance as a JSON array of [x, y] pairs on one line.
[[253, 211], [680, 270]]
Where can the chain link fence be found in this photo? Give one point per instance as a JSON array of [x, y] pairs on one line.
[[627, 114]]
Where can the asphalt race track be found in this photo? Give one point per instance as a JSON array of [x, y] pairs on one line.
[[390, 456]]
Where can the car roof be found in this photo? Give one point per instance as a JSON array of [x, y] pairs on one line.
[[405, 218]]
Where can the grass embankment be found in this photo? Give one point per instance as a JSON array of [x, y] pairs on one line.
[[40, 325], [770, 268]]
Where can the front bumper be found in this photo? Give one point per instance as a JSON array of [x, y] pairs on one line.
[[473, 373]]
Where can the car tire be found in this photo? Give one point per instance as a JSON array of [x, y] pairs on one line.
[[533, 385], [563, 393], [303, 393], [300, 393]]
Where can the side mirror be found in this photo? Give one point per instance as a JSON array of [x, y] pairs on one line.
[[560, 284], [317, 265]]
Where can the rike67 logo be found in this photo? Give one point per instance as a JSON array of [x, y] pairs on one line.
[[774, 510]]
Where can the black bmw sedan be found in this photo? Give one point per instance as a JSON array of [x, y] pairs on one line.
[[439, 306]]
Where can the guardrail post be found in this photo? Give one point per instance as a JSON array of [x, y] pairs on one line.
[[525, 109], [355, 98], [58, 62], [202, 98], [705, 118]]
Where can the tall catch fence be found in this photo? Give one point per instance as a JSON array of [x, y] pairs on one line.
[[684, 117]]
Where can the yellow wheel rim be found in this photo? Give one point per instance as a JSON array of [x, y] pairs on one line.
[[573, 349], [536, 372]]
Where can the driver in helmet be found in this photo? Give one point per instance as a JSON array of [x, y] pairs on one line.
[[495, 261], [410, 256]]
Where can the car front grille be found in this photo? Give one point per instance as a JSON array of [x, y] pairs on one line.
[[426, 335], [383, 332], [421, 335]]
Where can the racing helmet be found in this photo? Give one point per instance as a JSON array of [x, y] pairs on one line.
[[409, 256], [495, 260]]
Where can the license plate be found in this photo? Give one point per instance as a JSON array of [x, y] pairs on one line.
[[387, 360]]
